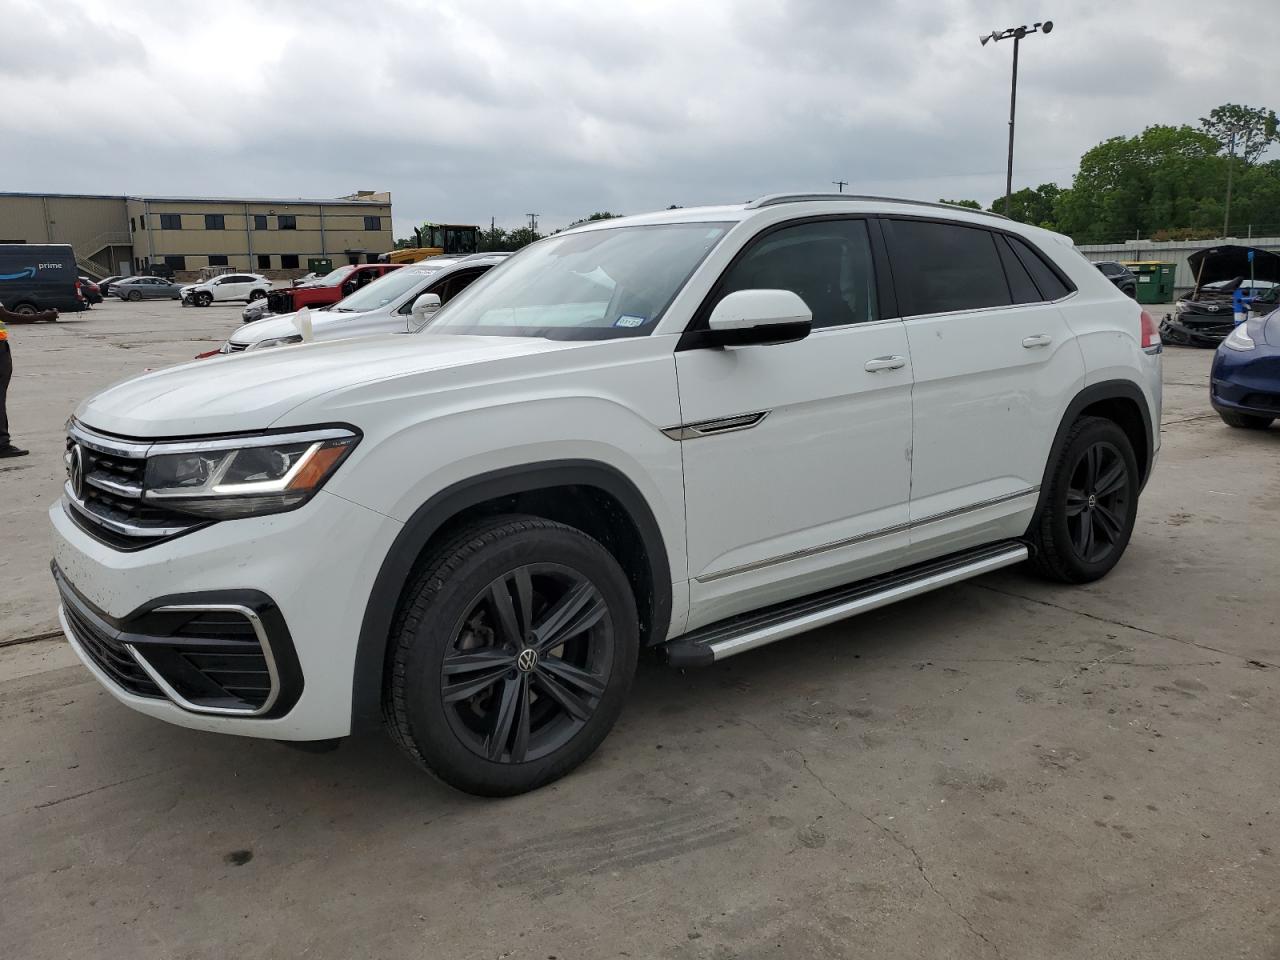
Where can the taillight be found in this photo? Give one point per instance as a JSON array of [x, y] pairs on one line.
[[79, 287], [1150, 331]]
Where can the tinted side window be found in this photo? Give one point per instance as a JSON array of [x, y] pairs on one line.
[[941, 267], [1050, 284], [1020, 283], [826, 263]]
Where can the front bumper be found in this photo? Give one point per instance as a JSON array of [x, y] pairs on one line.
[[1196, 330], [1246, 381], [307, 575]]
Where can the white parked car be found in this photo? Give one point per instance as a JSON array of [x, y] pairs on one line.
[[701, 430], [229, 286], [398, 302]]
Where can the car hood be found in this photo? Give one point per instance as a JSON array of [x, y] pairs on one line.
[[251, 391], [282, 325], [1228, 261]]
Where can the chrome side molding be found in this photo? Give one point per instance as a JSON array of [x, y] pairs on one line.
[[708, 428]]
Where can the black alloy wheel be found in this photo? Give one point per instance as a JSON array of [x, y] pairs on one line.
[[511, 655], [135, 295], [1089, 503], [528, 663], [1097, 501], [256, 295], [204, 298]]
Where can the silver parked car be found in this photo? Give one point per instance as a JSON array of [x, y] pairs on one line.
[[394, 303], [146, 288]]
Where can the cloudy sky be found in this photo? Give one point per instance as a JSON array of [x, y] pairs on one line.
[[466, 110]]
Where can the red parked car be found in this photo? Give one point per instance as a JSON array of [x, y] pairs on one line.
[[329, 289]]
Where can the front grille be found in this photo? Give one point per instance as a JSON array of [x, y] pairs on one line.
[[106, 651], [233, 347], [105, 498], [1262, 401]]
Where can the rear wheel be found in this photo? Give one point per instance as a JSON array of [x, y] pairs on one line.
[[1088, 510], [512, 656], [1244, 421], [135, 295], [25, 310], [256, 295]]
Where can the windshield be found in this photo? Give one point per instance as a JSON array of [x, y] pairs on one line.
[[584, 286], [382, 291], [334, 277]]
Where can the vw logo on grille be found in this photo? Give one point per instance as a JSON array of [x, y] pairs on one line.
[[528, 659], [1213, 308], [75, 471]]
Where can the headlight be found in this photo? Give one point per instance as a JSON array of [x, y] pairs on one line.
[[1239, 339], [1181, 306], [245, 476], [277, 342]]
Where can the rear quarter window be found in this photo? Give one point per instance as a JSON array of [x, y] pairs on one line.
[[945, 267]]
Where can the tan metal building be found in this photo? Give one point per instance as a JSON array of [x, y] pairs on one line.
[[132, 234]]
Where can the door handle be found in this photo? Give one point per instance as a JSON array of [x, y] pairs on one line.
[[884, 363], [1039, 340]]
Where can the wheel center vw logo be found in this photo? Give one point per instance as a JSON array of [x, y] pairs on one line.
[[528, 659], [75, 471]]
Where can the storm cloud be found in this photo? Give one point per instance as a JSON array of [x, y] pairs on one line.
[[465, 111]]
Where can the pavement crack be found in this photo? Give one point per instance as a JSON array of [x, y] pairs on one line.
[[916, 859], [85, 793], [1113, 622]]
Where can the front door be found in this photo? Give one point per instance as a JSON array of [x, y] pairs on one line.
[[797, 456]]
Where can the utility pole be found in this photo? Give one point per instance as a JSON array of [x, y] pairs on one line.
[[533, 222], [1231, 165], [1017, 34], [840, 184]]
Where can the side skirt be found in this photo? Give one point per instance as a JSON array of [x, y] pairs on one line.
[[725, 638]]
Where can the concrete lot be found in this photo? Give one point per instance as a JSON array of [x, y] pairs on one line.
[[1003, 769]]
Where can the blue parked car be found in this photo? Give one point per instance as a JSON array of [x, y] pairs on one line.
[[1244, 385]]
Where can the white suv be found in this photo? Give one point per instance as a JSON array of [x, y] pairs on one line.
[[229, 286], [702, 430]]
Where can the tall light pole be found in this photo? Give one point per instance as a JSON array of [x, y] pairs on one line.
[[1016, 33]]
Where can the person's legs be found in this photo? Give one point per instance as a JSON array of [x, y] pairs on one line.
[[6, 371]]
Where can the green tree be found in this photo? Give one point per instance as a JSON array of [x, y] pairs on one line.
[[1038, 206], [521, 237], [1133, 186], [971, 204], [1245, 132]]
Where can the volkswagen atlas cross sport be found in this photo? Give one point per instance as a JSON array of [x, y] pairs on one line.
[[702, 430]]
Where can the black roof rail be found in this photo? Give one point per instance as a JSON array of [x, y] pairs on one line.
[[774, 199]]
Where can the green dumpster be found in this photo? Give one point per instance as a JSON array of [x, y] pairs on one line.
[[1155, 280], [320, 265]]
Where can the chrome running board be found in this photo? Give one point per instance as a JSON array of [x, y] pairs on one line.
[[748, 631]]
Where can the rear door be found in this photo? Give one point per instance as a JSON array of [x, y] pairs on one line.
[[995, 365], [797, 455]]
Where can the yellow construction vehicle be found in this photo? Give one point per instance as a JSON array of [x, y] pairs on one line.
[[437, 239]]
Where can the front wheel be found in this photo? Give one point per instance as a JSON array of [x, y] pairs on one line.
[[1088, 510], [1244, 421], [25, 310], [511, 656], [203, 299]]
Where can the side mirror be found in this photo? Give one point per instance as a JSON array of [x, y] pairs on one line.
[[747, 317], [423, 309]]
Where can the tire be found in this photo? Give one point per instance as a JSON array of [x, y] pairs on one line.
[[135, 295], [256, 295], [558, 703], [25, 310], [1088, 510], [203, 298], [1244, 421]]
